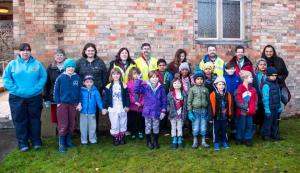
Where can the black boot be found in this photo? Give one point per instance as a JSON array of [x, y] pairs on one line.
[[115, 140], [122, 139], [155, 141], [149, 142]]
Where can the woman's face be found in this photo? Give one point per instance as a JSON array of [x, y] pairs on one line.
[[269, 52], [25, 54], [59, 58], [182, 57], [124, 55], [90, 52]]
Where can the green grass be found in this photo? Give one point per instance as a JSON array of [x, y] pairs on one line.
[[283, 156]]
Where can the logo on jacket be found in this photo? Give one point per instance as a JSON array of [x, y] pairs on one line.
[[35, 68], [75, 83]]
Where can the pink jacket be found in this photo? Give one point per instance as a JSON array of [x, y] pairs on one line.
[[132, 96]]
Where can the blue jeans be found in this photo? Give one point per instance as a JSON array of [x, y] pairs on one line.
[[244, 128], [220, 129], [270, 126], [26, 116], [200, 124]]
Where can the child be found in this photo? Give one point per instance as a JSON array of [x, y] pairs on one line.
[[271, 98], [198, 107], [164, 76], [186, 78], [90, 99], [67, 96], [259, 80], [135, 118], [232, 82], [177, 106], [221, 103], [210, 77], [246, 102], [155, 106], [116, 101]]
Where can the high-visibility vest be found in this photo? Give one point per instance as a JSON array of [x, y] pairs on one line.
[[125, 74], [218, 64], [145, 67]]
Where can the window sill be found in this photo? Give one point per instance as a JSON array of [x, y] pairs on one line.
[[223, 42]]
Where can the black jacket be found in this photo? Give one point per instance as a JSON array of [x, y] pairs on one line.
[[52, 73], [280, 66]]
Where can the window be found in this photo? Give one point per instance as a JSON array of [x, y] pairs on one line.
[[220, 20]]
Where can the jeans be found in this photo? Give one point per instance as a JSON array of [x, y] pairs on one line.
[[244, 128], [26, 116], [270, 126], [220, 129], [199, 125]]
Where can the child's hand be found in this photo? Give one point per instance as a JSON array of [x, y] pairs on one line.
[[79, 107], [126, 109], [162, 116], [104, 111], [137, 104]]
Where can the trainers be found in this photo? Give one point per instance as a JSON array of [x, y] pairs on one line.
[[133, 137], [37, 147], [226, 145], [195, 143], [141, 136], [216, 146], [24, 149]]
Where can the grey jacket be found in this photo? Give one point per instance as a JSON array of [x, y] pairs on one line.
[[171, 106]]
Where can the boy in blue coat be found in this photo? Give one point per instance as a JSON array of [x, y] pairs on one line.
[[90, 100], [271, 97]]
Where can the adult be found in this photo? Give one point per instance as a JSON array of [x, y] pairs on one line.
[[214, 58], [53, 71], [240, 61], [91, 64], [24, 78], [146, 62], [123, 62], [180, 57], [270, 55]]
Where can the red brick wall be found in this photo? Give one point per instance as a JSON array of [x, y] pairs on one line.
[[167, 24]]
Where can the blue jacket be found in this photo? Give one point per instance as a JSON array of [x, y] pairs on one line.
[[108, 100], [24, 79], [271, 97], [232, 82], [90, 99], [67, 89]]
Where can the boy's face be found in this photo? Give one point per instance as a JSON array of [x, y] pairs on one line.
[[184, 72], [220, 86], [249, 79], [154, 79], [262, 66], [207, 71], [88, 83], [272, 77], [177, 84], [230, 71], [199, 81], [70, 70], [116, 76], [161, 67]]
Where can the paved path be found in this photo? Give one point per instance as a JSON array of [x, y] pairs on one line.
[[9, 143], [4, 106]]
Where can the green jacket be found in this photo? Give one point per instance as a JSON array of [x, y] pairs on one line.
[[198, 98]]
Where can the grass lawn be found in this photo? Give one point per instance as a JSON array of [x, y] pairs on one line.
[[283, 156]]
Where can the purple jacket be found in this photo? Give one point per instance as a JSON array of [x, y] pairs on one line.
[[133, 98], [154, 102]]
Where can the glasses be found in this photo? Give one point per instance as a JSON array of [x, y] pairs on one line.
[[274, 75]]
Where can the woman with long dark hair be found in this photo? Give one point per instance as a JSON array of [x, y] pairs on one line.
[[180, 57]]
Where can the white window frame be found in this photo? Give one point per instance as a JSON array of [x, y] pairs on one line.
[[219, 23]]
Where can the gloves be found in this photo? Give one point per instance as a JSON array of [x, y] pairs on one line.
[[162, 116], [191, 116], [268, 114], [47, 104]]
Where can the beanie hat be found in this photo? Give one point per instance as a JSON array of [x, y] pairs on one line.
[[88, 77], [209, 65], [69, 63], [199, 74], [184, 65], [219, 79], [60, 51], [271, 71]]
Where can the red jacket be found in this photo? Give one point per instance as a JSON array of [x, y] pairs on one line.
[[247, 66], [241, 95]]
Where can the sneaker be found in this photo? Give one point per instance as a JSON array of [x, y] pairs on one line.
[[37, 147], [226, 145], [140, 135], [216, 146], [133, 137], [24, 149]]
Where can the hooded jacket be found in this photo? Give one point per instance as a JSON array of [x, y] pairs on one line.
[[90, 100]]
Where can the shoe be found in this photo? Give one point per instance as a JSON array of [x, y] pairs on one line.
[[195, 143], [226, 145], [141, 136], [180, 142], [155, 141], [69, 143], [216, 146], [37, 147], [115, 140], [149, 142], [203, 143], [174, 143], [84, 144], [24, 149], [61, 144], [133, 137]]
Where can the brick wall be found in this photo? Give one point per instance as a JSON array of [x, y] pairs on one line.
[[167, 24]]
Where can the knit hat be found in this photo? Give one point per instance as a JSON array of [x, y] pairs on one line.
[[60, 51], [258, 61], [69, 63], [219, 79], [184, 65], [199, 74], [271, 71], [88, 77], [209, 65]]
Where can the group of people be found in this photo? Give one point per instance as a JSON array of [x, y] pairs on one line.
[[141, 95]]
